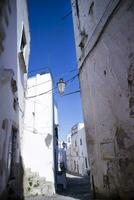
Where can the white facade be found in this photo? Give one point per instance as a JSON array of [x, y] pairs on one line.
[[62, 165], [68, 153], [62, 154], [13, 18], [40, 136], [104, 35], [55, 143], [77, 159]]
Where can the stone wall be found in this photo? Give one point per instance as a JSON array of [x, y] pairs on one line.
[[39, 139], [12, 14], [107, 89]]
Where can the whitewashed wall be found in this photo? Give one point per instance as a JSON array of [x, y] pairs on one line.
[[8, 115], [68, 152], [77, 151], [83, 157], [8, 57], [22, 25], [55, 138], [105, 53], [12, 16], [38, 152]]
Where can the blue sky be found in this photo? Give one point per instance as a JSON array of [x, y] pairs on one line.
[[53, 48]]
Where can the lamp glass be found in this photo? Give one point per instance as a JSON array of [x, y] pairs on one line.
[[61, 86]]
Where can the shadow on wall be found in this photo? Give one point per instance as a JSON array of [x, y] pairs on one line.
[[15, 189]]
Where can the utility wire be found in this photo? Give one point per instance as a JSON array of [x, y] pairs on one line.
[[71, 79], [41, 93], [50, 80], [39, 84], [71, 93], [41, 104], [68, 14], [40, 69], [20, 108]]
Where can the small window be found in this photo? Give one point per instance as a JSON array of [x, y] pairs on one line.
[[74, 165], [23, 41], [77, 8], [90, 12], [12, 153], [80, 141], [14, 85], [75, 143], [56, 132], [86, 162], [15, 103], [4, 124], [22, 54]]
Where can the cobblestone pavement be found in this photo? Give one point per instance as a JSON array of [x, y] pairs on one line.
[[78, 188]]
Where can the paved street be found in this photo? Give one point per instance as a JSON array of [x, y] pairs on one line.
[[77, 189]]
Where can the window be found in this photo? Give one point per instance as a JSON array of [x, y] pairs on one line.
[[15, 103], [23, 41], [12, 153], [56, 132], [77, 8], [80, 141], [13, 85], [90, 12], [4, 124], [131, 89], [22, 53], [77, 168], [86, 162], [74, 165]]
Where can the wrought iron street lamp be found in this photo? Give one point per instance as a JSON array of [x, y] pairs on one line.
[[61, 86]]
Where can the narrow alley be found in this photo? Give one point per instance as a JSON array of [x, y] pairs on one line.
[[77, 189], [67, 99]]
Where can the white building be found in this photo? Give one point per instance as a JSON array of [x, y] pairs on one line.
[[62, 154], [14, 54], [62, 165], [40, 139], [77, 159], [68, 153], [104, 35]]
